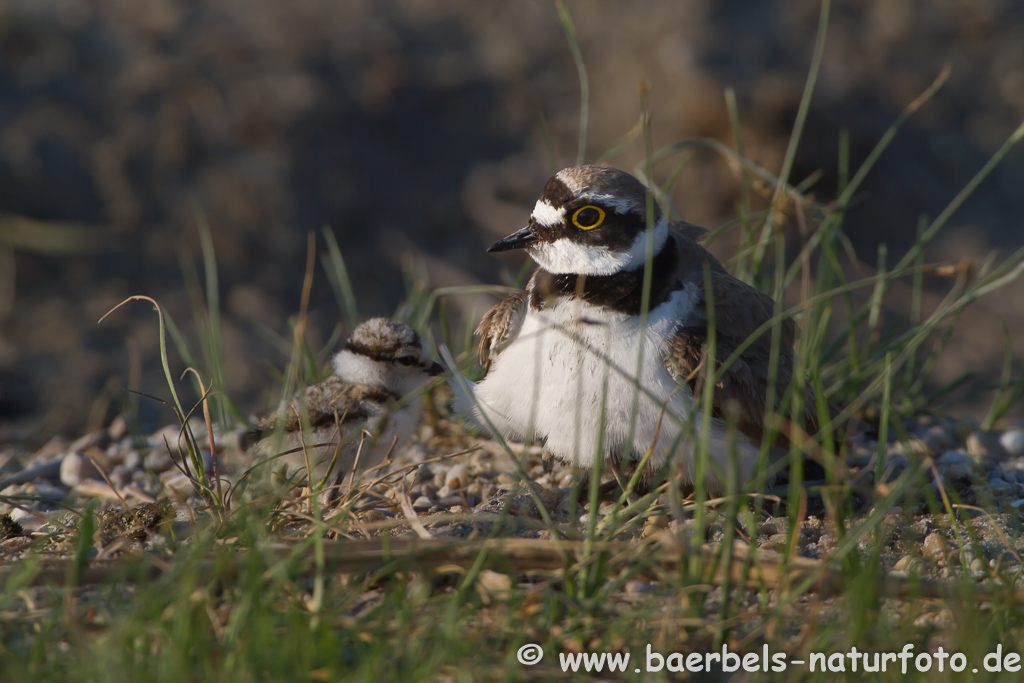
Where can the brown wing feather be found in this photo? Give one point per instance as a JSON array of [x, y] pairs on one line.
[[351, 403], [499, 325], [739, 311]]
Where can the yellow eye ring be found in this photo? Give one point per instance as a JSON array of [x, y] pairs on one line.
[[589, 221]]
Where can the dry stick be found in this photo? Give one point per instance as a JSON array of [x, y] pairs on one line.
[[528, 555], [112, 487], [337, 435], [947, 505], [305, 452], [359, 454], [410, 514]]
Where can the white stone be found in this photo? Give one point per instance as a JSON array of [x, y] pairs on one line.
[[1013, 441], [92, 440], [457, 476], [177, 485], [75, 467], [132, 460], [158, 460]]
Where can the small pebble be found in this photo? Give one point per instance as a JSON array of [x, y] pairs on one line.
[[121, 475], [28, 520], [638, 587], [938, 439], [132, 460], [422, 504], [774, 525], [955, 465], [158, 460], [896, 464], [934, 546], [75, 467], [118, 428], [177, 485], [457, 476], [98, 439], [906, 564], [1012, 442], [776, 542], [1001, 488], [985, 448], [492, 584]]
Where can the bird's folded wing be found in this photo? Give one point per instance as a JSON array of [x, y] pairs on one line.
[[739, 310], [328, 403], [500, 325]]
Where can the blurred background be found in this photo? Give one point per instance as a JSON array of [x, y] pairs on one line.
[[423, 131]]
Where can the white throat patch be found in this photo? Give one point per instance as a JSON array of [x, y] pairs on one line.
[[563, 256]]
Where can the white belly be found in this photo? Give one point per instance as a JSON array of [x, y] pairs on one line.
[[571, 378], [571, 359]]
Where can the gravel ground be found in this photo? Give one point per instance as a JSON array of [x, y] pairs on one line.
[[446, 472]]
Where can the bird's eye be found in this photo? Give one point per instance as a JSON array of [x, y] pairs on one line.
[[407, 360], [588, 217]]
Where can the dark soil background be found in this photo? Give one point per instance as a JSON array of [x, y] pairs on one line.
[[417, 127]]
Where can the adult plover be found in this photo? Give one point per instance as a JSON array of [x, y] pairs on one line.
[[571, 359], [383, 362]]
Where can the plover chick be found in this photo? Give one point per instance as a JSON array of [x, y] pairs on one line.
[[373, 391]]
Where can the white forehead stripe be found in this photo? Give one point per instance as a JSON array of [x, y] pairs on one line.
[[569, 181], [547, 215]]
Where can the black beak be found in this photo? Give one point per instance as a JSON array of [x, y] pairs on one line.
[[516, 240], [435, 369]]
